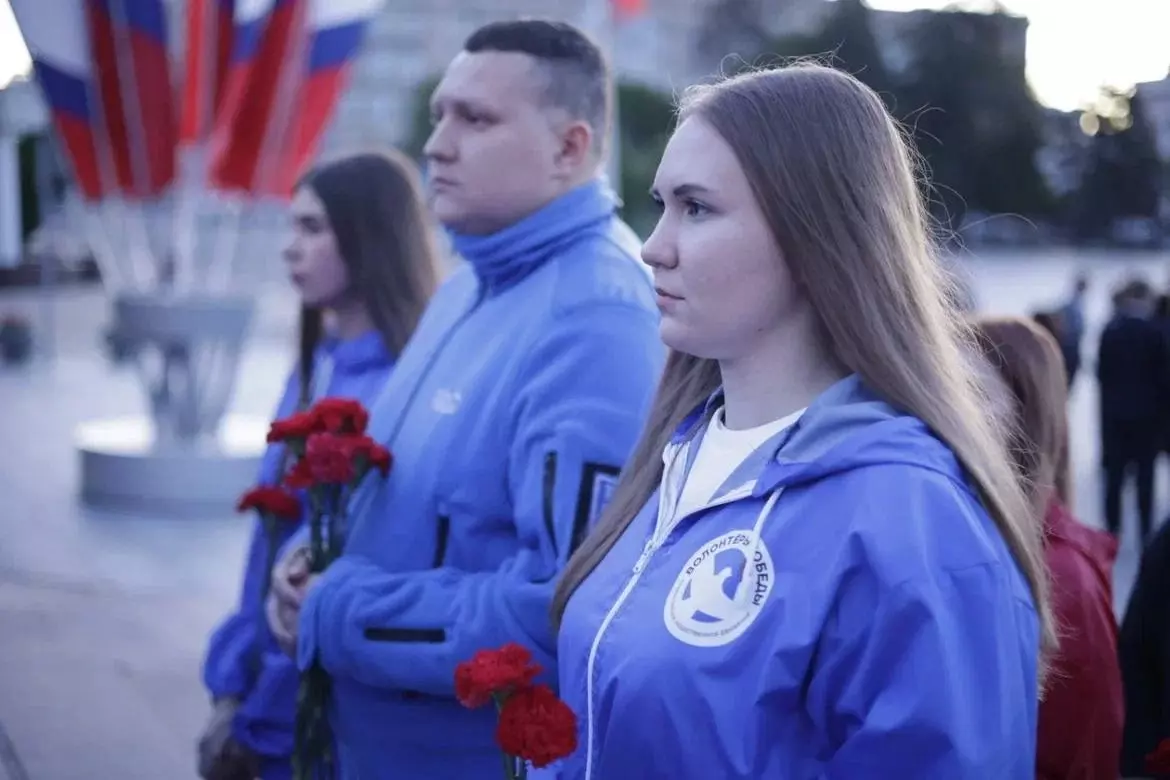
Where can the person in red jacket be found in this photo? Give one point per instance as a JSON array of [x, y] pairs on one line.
[[1082, 711]]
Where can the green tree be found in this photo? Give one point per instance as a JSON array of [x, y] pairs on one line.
[[847, 42], [420, 117], [973, 116], [647, 118]]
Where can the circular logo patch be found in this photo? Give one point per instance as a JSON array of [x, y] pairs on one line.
[[720, 590]]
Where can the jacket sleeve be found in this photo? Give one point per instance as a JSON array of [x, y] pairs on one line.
[[925, 680], [579, 408], [227, 666], [1081, 717], [1144, 657]]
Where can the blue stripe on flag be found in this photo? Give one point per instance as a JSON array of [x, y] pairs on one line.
[[148, 17], [64, 92], [143, 16], [333, 47]]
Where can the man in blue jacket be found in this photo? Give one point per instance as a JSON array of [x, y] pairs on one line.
[[509, 414]]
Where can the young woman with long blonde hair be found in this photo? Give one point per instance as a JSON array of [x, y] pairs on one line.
[[819, 562]]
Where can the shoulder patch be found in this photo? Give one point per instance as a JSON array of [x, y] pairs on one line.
[[598, 481]]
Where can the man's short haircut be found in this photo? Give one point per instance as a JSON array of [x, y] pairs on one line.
[[576, 74]]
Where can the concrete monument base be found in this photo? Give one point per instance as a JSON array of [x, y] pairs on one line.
[[126, 468]]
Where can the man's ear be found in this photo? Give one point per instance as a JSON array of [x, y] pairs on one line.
[[576, 147]]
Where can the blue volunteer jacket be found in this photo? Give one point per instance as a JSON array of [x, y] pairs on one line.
[[509, 415], [266, 683], [843, 609]]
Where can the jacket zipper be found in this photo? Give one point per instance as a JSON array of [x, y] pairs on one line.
[[668, 500], [549, 498]]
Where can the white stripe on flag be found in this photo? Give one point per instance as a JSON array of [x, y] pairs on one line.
[[334, 13], [55, 33], [252, 10]]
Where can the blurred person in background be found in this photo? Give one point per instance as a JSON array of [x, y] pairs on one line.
[[1145, 628], [1072, 326], [1081, 714], [508, 416], [363, 261], [1131, 370], [1144, 651], [1161, 320]]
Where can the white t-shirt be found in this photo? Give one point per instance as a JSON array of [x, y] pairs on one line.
[[720, 453]]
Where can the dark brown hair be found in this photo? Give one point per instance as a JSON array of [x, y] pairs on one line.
[[376, 209]]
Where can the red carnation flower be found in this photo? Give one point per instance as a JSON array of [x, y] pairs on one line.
[[369, 454], [536, 726], [329, 459], [271, 500], [296, 426], [492, 673], [340, 415], [299, 477]]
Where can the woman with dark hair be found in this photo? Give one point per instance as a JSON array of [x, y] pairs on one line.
[[1081, 716], [363, 260]]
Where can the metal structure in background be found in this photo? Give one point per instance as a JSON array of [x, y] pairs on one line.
[[169, 180], [189, 454]]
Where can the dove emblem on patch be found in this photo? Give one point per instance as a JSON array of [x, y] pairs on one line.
[[720, 590]]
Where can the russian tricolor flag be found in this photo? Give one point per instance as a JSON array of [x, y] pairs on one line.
[[289, 65], [336, 31], [128, 40], [209, 39], [269, 42], [55, 34]]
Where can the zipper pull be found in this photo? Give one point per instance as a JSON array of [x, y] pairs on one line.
[[644, 558]]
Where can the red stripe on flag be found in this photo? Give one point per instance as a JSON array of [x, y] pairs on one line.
[[255, 91], [134, 85], [155, 110], [209, 48], [112, 116], [199, 30], [77, 136], [625, 9], [317, 98]]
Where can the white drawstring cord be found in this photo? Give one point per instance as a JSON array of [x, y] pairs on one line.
[[746, 589]]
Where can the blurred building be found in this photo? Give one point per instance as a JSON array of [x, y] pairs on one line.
[[1155, 97], [894, 31], [668, 47]]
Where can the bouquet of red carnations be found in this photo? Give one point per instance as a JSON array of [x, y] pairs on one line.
[[535, 727], [332, 456]]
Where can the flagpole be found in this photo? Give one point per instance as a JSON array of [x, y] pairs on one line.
[[140, 172], [191, 155]]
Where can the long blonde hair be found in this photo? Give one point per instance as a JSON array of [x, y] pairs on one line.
[[835, 179]]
